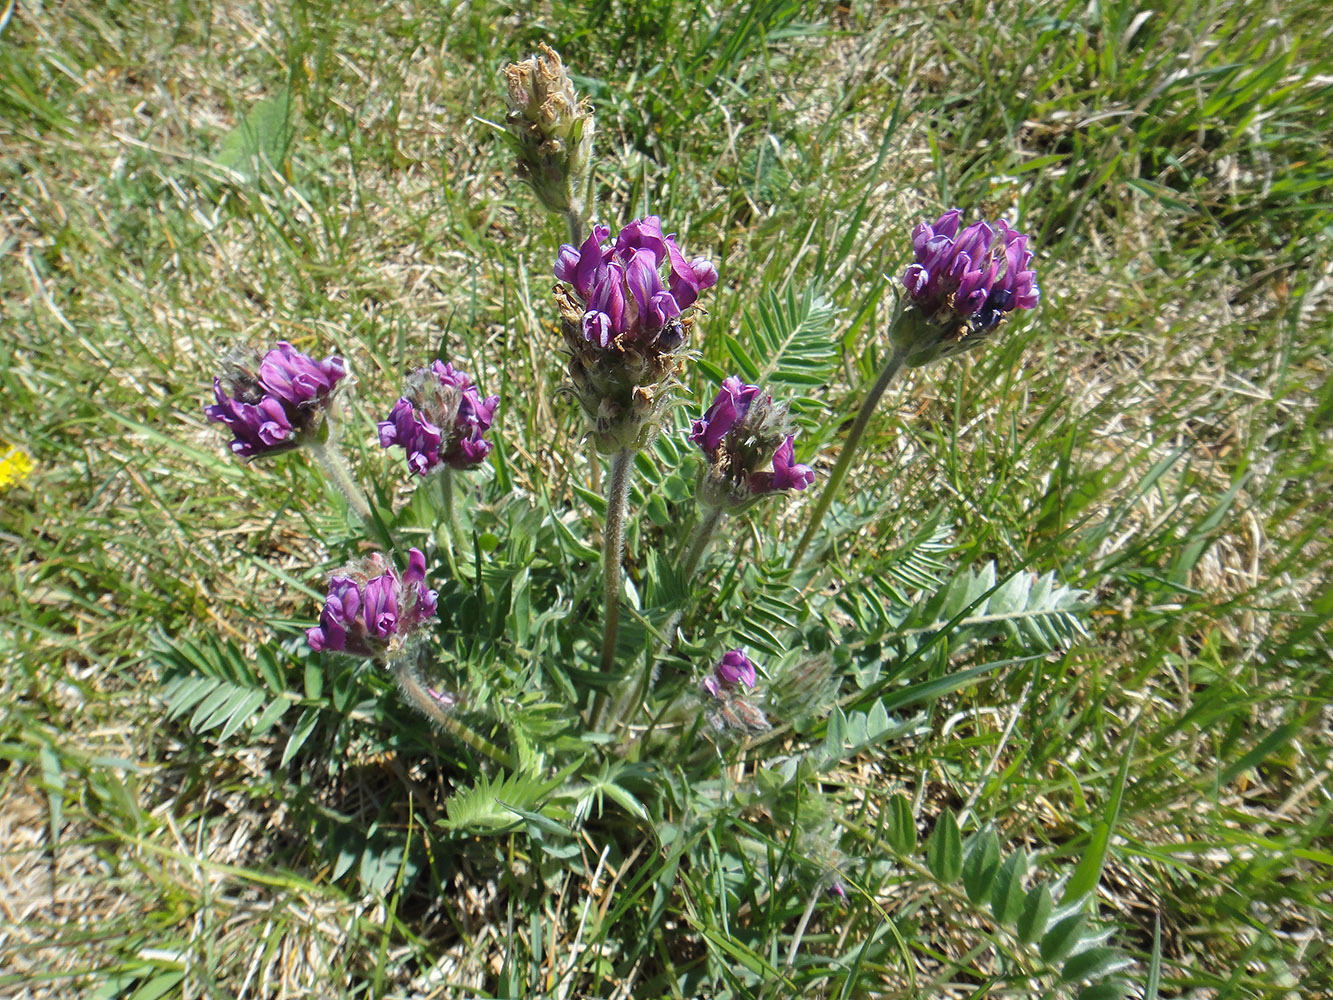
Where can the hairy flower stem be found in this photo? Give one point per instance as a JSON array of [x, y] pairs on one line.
[[613, 546], [574, 220], [452, 530], [331, 460], [409, 682], [839, 472]]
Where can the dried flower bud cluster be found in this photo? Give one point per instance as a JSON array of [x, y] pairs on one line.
[[625, 326], [274, 403], [552, 130], [440, 420], [749, 450], [962, 285], [371, 610]]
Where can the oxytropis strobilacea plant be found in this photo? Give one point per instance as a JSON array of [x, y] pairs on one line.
[[960, 289], [625, 324]]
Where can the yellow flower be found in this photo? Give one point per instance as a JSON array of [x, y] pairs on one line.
[[15, 465]]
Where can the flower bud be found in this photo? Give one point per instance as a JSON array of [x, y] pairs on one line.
[[961, 286], [551, 129], [440, 420], [371, 610], [274, 403]]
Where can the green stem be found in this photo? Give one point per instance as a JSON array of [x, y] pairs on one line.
[[613, 546], [703, 534], [452, 531], [574, 219], [409, 682], [839, 472], [331, 460]]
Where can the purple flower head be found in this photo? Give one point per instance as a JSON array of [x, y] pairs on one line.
[[372, 610], [729, 408], [786, 474], [729, 708], [273, 403], [440, 420], [749, 450], [635, 289], [976, 275]]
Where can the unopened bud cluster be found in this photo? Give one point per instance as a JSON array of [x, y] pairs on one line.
[[728, 707], [749, 449], [552, 130]]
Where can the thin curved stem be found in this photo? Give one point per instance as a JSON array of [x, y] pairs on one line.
[[703, 534], [434, 708], [574, 220], [331, 460], [849, 447], [613, 546]]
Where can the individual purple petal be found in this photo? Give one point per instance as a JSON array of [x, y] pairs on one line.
[[381, 606], [730, 407], [598, 329], [427, 604], [643, 282], [705, 274], [644, 234], [787, 475], [415, 575], [567, 263], [468, 452], [591, 262]]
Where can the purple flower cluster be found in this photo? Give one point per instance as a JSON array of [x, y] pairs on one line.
[[733, 669], [621, 286], [978, 275], [440, 420], [742, 432], [272, 408], [372, 610]]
